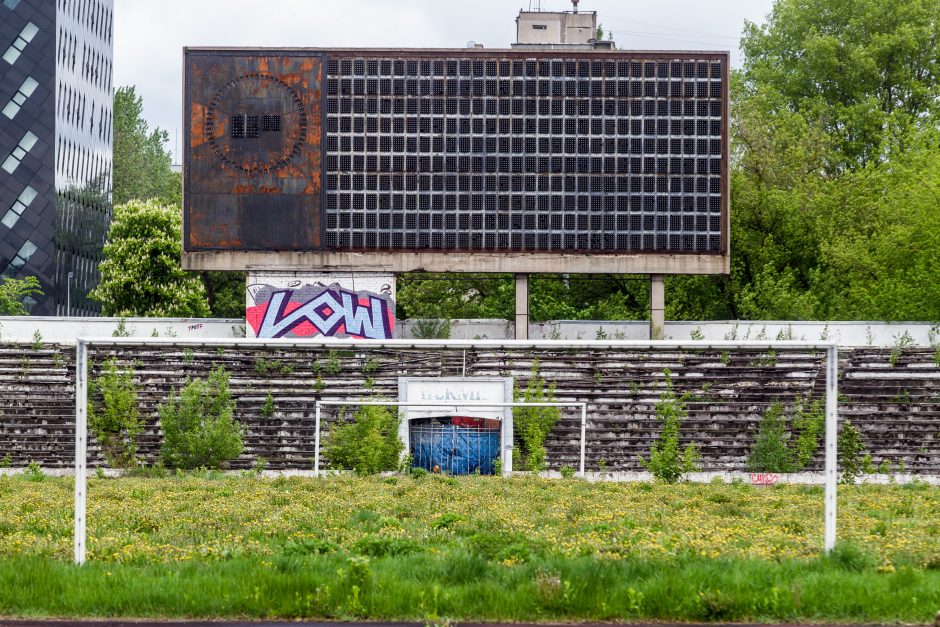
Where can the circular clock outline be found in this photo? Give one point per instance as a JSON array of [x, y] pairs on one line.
[[271, 166]]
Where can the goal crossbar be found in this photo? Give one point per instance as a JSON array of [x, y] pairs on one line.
[[81, 391]]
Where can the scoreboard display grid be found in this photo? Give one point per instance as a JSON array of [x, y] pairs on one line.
[[514, 153]]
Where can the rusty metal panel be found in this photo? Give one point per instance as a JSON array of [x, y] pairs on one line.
[[253, 164]]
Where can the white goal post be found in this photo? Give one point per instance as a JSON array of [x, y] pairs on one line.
[[82, 367]]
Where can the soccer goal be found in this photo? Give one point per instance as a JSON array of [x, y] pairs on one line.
[[82, 346]]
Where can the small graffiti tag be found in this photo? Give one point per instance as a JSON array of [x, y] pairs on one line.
[[318, 309], [764, 478]]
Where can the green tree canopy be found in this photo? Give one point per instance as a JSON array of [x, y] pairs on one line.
[[865, 69], [141, 164], [551, 297], [141, 274], [881, 253], [12, 293]]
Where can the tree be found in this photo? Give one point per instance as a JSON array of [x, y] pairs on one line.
[[226, 293], [141, 274], [12, 293], [141, 164], [881, 256], [551, 297], [833, 167], [866, 70], [454, 296]]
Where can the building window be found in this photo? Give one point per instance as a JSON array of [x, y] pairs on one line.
[[25, 91], [25, 145], [19, 206], [22, 256], [26, 35], [539, 27]]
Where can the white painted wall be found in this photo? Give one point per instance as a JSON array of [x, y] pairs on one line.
[[62, 329], [848, 333], [884, 334], [465, 329]]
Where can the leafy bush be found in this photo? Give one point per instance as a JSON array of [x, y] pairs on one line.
[[199, 429], [770, 452], [533, 424], [116, 421], [851, 557], [666, 462], [810, 421], [901, 342], [379, 546], [775, 451], [368, 444], [851, 452], [14, 291]]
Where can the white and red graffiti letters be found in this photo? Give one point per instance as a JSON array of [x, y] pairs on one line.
[[330, 311]]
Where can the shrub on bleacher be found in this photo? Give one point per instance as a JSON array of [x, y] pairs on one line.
[[199, 428], [113, 414]]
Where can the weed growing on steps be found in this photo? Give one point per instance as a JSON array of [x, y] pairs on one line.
[[533, 424], [666, 461]]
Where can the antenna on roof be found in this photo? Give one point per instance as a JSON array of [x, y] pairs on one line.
[[575, 3]]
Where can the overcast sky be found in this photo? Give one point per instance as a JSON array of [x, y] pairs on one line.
[[149, 36]]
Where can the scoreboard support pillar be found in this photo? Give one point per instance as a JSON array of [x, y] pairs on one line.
[[657, 307], [522, 307]]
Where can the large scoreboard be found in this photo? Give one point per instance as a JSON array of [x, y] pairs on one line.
[[456, 160]]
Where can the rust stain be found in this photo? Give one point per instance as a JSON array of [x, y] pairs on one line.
[[197, 125], [313, 182], [215, 234]]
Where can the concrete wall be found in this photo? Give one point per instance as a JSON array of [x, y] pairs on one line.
[[883, 334], [528, 31], [844, 333], [873, 334], [61, 329], [559, 27]]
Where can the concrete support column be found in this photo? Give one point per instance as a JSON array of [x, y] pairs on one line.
[[657, 307], [522, 306]]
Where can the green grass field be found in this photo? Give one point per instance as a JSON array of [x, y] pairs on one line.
[[478, 548]]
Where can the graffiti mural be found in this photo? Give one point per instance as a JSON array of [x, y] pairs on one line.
[[301, 308]]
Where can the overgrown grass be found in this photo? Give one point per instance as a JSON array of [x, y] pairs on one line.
[[474, 548], [462, 585]]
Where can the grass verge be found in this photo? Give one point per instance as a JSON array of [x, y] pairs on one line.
[[466, 586]]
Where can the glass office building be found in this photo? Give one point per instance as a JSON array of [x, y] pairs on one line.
[[55, 147]]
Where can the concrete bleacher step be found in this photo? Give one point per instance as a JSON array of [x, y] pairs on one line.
[[896, 407]]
